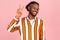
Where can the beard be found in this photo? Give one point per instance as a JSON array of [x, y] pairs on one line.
[[33, 13]]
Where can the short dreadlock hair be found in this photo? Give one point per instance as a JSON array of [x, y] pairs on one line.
[[33, 2]]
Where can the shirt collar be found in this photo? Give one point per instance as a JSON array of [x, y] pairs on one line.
[[32, 19]]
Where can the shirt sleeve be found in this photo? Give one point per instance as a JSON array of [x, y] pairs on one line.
[[44, 34], [14, 24]]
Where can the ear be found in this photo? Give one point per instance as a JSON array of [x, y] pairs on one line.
[[29, 8]]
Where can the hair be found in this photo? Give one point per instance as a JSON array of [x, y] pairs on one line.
[[32, 2]]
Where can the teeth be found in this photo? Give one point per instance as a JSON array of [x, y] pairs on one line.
[[34, 12]]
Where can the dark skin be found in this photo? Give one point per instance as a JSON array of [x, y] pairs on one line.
[[33, 11]]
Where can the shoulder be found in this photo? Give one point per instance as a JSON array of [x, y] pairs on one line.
[[21, 19], [40, 20]]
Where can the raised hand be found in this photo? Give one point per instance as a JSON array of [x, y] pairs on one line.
[[19, 12]]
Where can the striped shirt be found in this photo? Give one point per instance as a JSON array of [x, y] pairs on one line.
[[29, 29]]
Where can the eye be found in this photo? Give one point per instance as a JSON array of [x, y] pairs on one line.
[[33, 9]]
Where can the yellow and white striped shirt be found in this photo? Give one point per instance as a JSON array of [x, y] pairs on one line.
[[29, 29]]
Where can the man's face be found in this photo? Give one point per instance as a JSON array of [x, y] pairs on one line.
[[34, 8]]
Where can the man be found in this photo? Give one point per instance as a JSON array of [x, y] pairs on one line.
[[30, 27]]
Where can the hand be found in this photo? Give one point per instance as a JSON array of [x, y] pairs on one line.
[[19, 12]]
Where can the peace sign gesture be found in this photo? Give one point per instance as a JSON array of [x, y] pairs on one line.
[[19, 12]]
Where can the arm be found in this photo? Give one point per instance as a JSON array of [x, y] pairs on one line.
[[42, 35], [41, 30], [12, 26]]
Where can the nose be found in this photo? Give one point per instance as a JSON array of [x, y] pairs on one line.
[[36, 10]]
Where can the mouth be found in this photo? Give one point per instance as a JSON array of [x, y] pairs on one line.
[[34, 13]]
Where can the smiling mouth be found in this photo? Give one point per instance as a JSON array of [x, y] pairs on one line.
[[34, 13]]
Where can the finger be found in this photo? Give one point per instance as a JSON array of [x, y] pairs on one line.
[[21, 7]]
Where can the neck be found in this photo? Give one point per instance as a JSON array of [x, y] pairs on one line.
[[30, 16]]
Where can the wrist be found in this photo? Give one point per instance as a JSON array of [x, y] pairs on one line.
[[16, 18]]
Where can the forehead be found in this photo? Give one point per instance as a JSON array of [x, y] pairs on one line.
[[34, 5]]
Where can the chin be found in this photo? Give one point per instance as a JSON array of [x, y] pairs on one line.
[[34, 15]]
